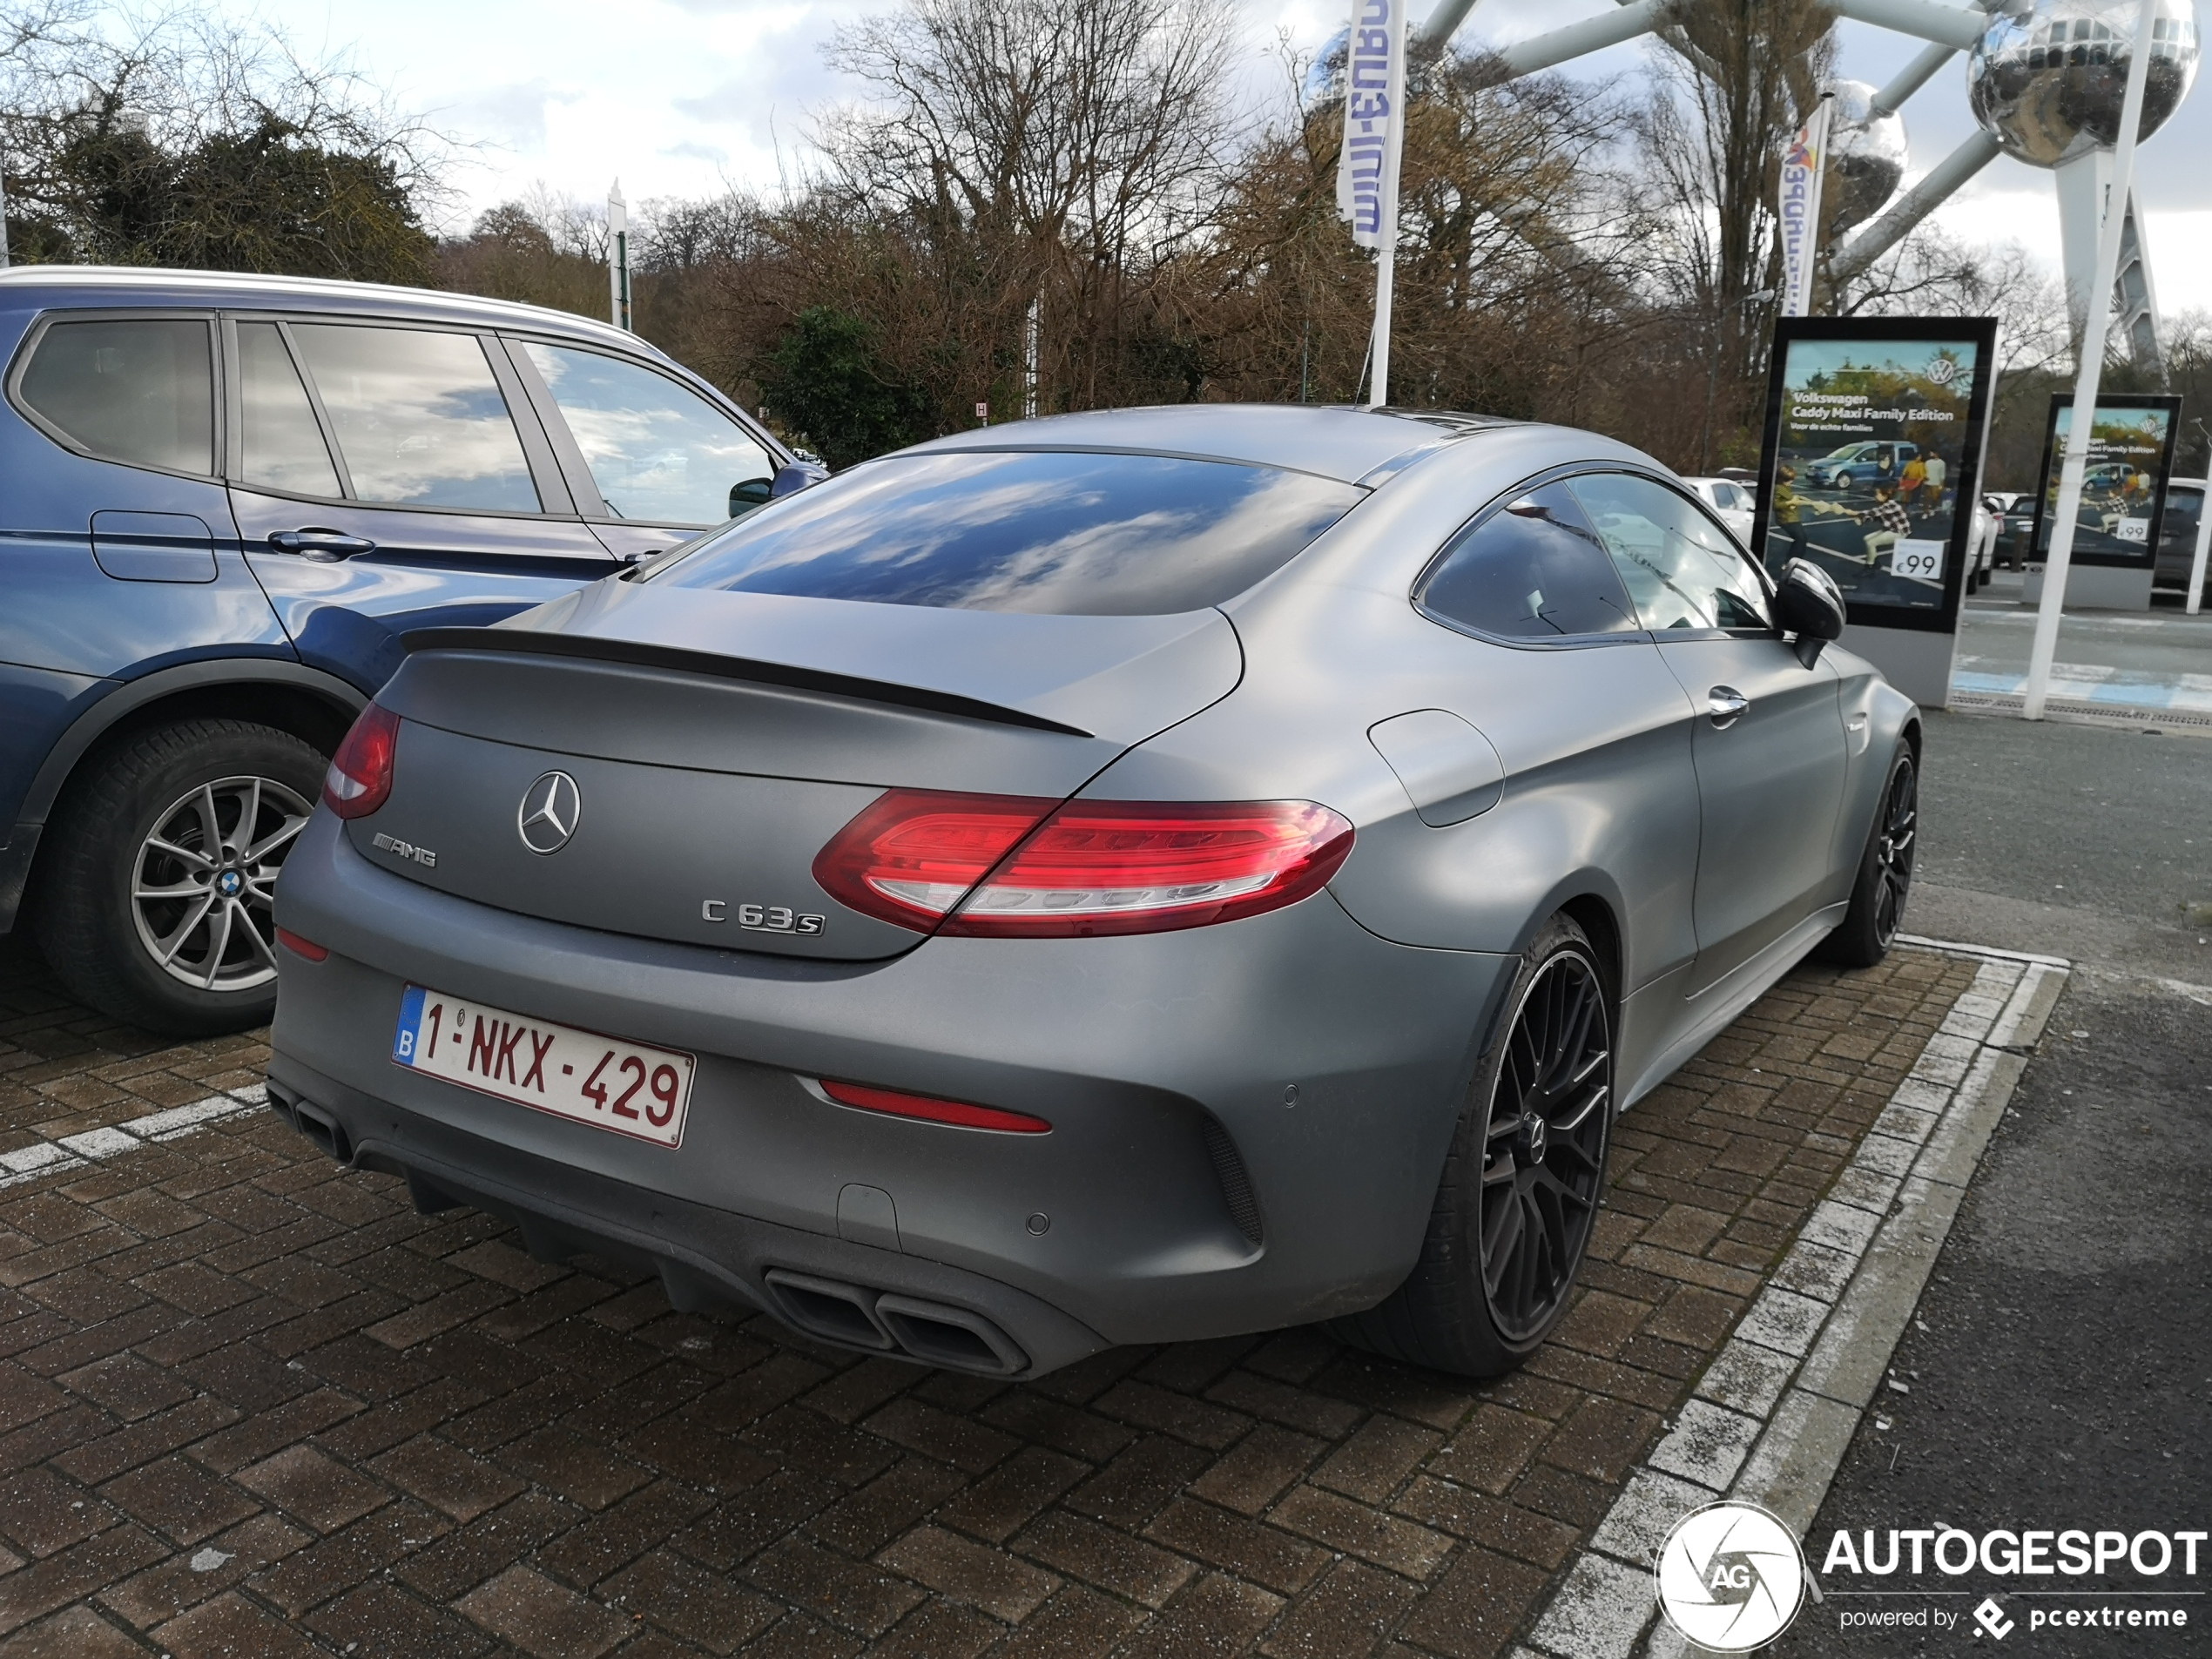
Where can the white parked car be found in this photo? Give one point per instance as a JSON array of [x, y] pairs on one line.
[[1731, 503]]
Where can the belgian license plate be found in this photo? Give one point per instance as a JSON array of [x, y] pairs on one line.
[[625, 1087]]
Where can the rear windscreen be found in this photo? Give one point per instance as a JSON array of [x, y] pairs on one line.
[[1064, 534]]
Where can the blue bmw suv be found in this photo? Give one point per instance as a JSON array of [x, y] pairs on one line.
[[223, 500]]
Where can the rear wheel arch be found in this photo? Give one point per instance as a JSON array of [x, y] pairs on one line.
[[303, 702], [311, 706]]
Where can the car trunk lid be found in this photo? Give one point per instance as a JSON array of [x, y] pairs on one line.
[[713, 743]]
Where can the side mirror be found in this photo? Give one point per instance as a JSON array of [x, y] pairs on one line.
[[1809, 604], [800, 475]]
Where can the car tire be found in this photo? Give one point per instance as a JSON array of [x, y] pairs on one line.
[[121, 874], [1885, 884], [1515, 1206]]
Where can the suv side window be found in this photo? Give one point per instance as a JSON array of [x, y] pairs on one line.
[[1683, 570], [281, 442], [139, 390], [660, 453], [419, 417], [1533, 569]]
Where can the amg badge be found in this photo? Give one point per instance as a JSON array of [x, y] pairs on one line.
[[763, 919], [421, 855]]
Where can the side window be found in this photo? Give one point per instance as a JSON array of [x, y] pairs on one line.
[[1682, 570], [658, 452], [136, 389], [282, 447], [419, 417], [1533, 569]]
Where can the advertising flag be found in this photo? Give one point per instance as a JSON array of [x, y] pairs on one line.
[[1802, 165], [1374, 94]]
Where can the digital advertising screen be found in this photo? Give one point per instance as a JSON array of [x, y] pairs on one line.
[[2123, 490], [1874, 447]]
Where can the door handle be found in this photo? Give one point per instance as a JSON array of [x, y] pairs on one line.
[[1726, 704], [322, 545]]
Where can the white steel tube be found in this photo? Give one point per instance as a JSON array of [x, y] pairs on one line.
[[2196, 598], [1578, 39], [1445, 21], [2060, 557], [1910, 80], [1954, 26], [1946, 176]]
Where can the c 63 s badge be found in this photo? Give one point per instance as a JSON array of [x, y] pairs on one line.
[[761, 918]]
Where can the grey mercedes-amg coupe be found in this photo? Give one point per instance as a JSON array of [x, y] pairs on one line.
[[1119, 878]]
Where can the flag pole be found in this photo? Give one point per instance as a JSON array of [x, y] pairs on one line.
[[618, 255], [1367, 166], [2082, 421]]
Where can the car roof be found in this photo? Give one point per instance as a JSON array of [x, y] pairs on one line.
[[1353, 445], [130, 285]]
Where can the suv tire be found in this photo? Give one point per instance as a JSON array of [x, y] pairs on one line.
[[1460, 1310], [134, 915]]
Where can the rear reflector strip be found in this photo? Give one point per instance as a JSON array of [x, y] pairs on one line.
[[299, 947], [930, 1109]]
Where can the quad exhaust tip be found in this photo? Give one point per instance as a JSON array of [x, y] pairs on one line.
[[931, 1331]]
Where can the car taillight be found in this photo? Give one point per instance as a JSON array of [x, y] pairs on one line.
[[359, 779], [898, 1104], [1091, 867], [914, 853]]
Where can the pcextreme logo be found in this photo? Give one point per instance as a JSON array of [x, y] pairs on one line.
[[1731, 1577]]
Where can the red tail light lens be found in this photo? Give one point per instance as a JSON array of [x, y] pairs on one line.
[[930, 1109], [1091, 867], [1110, 867], [914, 853], [359, 779]]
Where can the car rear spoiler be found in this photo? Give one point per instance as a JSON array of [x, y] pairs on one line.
[[590, 647]]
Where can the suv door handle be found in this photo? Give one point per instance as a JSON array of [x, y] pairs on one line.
[[322, 545], [1726, 704]]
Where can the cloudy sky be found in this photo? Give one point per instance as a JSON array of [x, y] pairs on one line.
[[676, 96]]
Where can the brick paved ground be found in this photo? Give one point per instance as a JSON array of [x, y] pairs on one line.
[[251, 1404]]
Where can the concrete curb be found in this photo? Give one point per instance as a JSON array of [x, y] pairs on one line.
[[1771, 1418]]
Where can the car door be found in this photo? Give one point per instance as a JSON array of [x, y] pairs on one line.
[[1767, 738], [649, 460], [387, 476], [118, 558]]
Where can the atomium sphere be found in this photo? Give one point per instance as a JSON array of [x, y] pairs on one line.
[[1866, 156], [2049, 76]]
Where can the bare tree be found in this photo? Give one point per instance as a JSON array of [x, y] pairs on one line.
[[1029, 149]]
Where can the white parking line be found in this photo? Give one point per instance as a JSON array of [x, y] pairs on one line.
[[42, 1159]]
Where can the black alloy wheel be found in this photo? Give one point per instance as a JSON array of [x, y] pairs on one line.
[[1876, 914], [1895, 840], [1517, 1199], [1544, 1152]]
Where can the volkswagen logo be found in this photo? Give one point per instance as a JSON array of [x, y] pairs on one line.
[[548, 812]]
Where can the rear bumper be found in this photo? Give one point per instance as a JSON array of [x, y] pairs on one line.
[[1162, 1061]]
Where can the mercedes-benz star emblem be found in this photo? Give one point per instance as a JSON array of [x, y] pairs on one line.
[[548, 812]]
